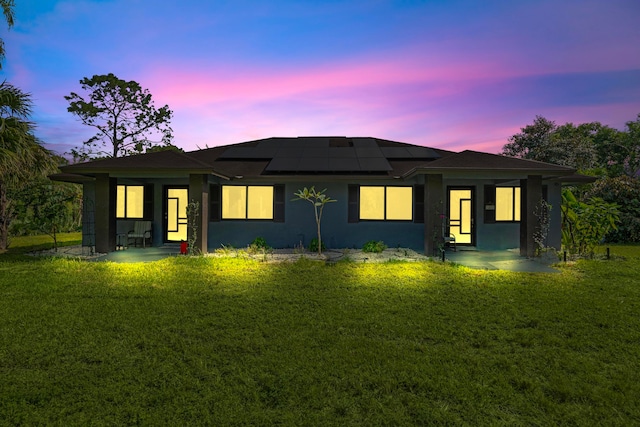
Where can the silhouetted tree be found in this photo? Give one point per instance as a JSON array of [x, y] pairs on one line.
[[124, 115]]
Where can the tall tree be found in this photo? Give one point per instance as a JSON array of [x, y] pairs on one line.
[[124, 115], [566, 145], [530, 142], [21, 156], [7, 10], [631, 142]]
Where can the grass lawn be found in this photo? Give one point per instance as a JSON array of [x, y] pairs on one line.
[[191, 341]]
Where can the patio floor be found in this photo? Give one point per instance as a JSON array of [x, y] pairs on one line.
[[133, 254], [498, 260]]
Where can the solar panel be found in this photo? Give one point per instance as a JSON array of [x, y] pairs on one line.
[[283, 164], [422, 153], [369, 164], [290, 151], [364, 143], [311, 164], [396, 153], [342, 152], [369, 152], [344, 164], [327, 154]]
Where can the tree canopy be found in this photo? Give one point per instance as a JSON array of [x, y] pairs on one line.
[[7, 10], [585, 146], [123, 114]]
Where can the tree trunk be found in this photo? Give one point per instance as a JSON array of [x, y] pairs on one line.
[[318, 217], [4, 217]]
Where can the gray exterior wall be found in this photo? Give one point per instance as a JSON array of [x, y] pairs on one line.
[[337, 232], [300, 226]]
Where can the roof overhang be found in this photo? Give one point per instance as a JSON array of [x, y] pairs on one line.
[[71, 178]]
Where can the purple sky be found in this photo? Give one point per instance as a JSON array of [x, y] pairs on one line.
[[447, 74]]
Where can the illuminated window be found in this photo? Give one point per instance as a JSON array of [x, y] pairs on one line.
[[386, 203], [247, 202], [130, 201], [507, 203]]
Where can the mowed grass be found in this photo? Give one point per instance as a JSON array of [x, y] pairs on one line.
[[204, 341]]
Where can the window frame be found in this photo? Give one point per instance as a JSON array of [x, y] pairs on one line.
[[126, 205], [515, 205], [246, 206], [384, 201]]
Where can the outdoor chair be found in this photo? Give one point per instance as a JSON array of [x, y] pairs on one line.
[[141, 230], [448, 238]]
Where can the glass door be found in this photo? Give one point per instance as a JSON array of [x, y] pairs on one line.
[[461, 215], [176, 214]]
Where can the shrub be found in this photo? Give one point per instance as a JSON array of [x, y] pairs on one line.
[[374, 247], [313, 245], [584, 224], [625, 191], [259, 245]]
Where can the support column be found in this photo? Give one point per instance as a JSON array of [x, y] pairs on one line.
[[433, 206], [105, 213], [531, 193], [199, 192]]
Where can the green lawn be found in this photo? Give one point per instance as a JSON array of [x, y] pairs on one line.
[[208, 341]]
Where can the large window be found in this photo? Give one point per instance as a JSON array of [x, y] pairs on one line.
[[386, 203], [507, 203], [130, 201], [247, 202]]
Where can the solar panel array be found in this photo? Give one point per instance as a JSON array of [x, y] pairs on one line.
[[326, 154]]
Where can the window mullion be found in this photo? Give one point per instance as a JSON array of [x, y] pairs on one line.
[[246, 202], [384, 201]]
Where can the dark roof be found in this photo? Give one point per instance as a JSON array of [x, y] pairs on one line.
[[157, 161], [328, 155], [314, 155], [469, 160]]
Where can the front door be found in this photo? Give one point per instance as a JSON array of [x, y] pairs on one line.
[[461, 215], [175, 214]]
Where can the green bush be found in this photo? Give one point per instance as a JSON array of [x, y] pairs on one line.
[[624, 191], [313, 245], [373, 246], [259, 245]]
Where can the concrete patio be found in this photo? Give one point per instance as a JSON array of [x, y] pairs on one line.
[[498, 260]]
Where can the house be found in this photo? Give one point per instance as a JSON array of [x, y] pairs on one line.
[[403, 194]]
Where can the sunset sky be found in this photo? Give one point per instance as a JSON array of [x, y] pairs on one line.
[[452, 74]]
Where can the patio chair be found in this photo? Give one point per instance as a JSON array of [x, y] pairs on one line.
[[448, 238], [141, 230]]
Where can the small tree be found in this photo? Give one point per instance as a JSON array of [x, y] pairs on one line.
[[318, 199], [54, 209], [124, 115]]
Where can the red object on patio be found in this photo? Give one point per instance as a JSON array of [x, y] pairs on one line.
[[183, 248]]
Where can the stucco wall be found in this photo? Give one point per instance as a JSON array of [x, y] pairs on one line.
[[300, 226]]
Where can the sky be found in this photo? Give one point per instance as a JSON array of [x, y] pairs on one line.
[[450, 74]]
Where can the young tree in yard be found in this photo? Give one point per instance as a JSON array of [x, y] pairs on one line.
[[22, 158], [53, 209], [124, 115], [318, 199]]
